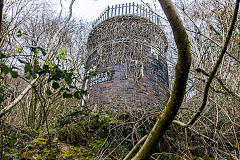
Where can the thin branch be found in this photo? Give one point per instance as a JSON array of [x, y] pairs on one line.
[[179, 87], [24, 92], [228, 53], [214, 70], [1, 10], [228, 89], [135, 148]]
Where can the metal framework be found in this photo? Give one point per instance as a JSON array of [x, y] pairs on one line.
[[128, 9]]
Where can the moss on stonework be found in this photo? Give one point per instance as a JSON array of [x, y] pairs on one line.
[[73, 134], [71, 141]]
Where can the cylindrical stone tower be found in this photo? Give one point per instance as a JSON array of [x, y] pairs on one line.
[[126, 59]]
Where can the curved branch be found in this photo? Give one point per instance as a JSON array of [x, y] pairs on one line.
[[24, 92], [135, 148], [179, 87], [214, 70]]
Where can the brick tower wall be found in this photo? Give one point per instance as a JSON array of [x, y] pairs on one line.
[[126, 54]]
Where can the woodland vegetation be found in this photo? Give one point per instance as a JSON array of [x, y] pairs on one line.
[[42, 56]]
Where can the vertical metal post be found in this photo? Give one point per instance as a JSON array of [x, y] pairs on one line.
[[115, 10], [129, 8], [140, 10], [137, 9], [126, 9], [112, 11], [133, 7], [143, 10], [119, 7], [152, 16], [149, 15], [122, 8], [108, 9]]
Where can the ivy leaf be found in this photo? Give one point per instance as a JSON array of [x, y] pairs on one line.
[[2, 55], [68, 79], [48, 92], [27, 67], [1, 97], [4, 68], [83, 91], [14, 74], [55, 85], [94, 74], [34, 49], [86, 67], [42, 50], [36, 62], [1, 90], [19, 33], [28, 77], [87, 77], [11, 142], [34, 76], [36, 68], [76, 95], [67, 95]]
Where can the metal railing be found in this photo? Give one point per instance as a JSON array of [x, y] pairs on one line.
[[128, 9]]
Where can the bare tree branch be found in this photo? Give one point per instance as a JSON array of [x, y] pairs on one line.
[[214, 70], [179, 87], [18, 99]]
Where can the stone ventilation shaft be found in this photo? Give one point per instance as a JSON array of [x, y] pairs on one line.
[[126, 59]]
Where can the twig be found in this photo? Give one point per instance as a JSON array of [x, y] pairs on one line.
[[214, 70], [24, 92], [135, 148]]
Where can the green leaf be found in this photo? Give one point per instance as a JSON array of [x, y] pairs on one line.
[[87, 77], [83, 91], [68, 79], [86, 67], [27, 67], [48, 92], [34, 49], [1, 77], [94, 74], [2, 55], [36, 62], [67, 95], [36, 68], [55, 85], [11, 142], [1, 97], [76, 95], [34, 76], [19, 33], [1, 90], [42, 50], [28, 77], [14, 74], [4, 68]]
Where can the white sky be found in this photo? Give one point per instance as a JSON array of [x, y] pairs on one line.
[[91, 9]]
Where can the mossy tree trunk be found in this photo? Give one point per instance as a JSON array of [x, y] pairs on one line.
[[179, 87]]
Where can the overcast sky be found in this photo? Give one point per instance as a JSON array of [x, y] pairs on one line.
[[91, 9]]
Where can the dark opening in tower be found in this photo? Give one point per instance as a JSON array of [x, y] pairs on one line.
[[126, 53]]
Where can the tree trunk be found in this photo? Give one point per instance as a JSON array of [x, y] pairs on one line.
[[179, 87]]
